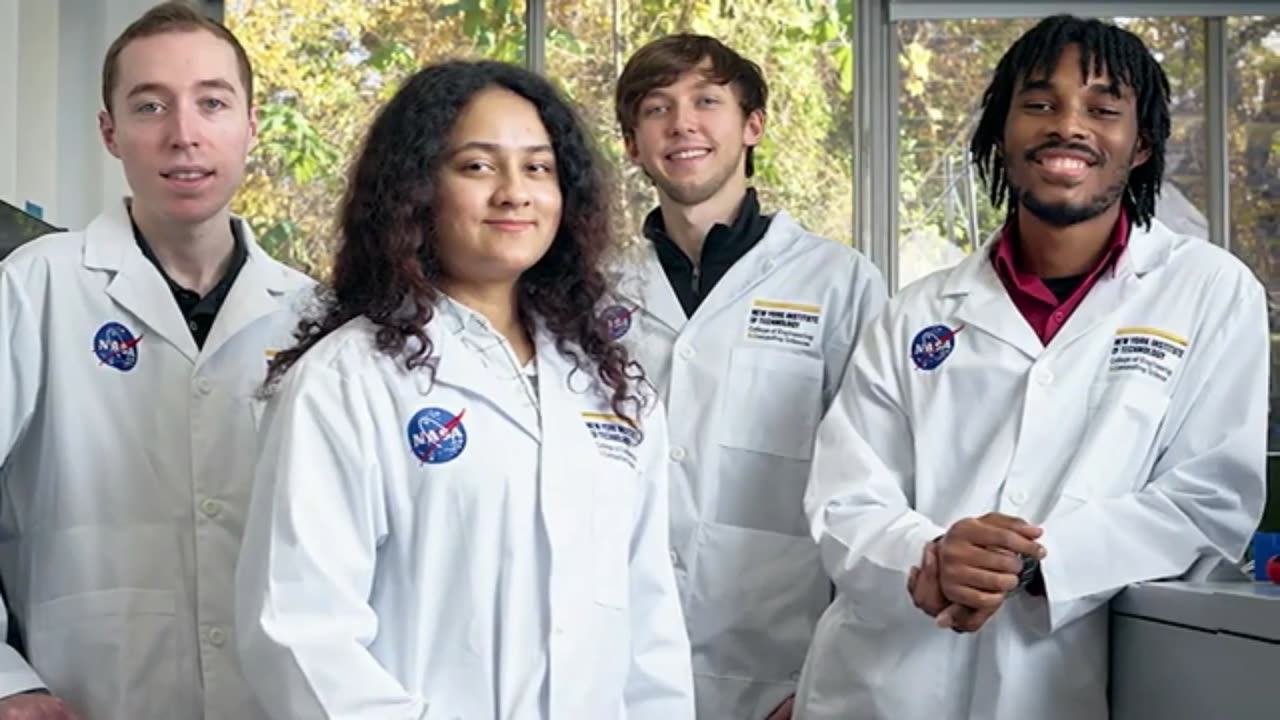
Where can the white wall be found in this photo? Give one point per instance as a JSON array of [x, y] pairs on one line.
[[50, 88]]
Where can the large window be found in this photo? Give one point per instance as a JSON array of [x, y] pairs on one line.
[[805, 164], [1253, 137], [943, 210], [323, 68]]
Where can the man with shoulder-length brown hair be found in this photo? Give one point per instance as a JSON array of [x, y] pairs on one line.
[[129, 356]]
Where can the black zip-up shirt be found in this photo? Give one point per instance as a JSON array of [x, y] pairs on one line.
[[724, 246], [200, 312]]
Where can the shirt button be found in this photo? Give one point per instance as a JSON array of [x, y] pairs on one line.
[[1058, 317], [687, 352], [210, 507], [195, 326], [203, 386], [678, 454], [1017, 497], [217, 637], [1044, 377]]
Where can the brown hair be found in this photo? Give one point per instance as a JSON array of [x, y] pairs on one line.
[[171, 17], [663, 61]]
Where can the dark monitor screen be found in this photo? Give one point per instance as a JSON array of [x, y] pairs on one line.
[[17, 227]]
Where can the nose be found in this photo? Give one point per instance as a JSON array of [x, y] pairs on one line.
[[512, 190], [681, 119], [1070, 122], [182, 128]]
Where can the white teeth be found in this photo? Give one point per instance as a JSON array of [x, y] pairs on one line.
[[1064, 163], [186, 175], [688, 154]]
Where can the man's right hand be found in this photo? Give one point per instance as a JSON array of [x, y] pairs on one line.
[[978, 559], [35, 706]]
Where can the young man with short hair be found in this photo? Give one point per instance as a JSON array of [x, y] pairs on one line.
[[132, 352], [745, 323]]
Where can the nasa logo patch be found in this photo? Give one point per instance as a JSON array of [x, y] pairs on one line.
[[932, 345], [115, 346], [616, 320], [437, 436]]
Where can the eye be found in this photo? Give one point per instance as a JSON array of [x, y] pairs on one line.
[[149, 108], [1106, 111], [542, 167], [476, 166], [649, 110], [213, 104], [1037, 106], [709, 100]]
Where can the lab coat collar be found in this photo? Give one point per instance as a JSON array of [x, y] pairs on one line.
[[140, 288], [985, 303], [643, 282], [455, 364]]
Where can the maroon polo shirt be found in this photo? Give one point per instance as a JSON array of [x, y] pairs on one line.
[[1044, 312]]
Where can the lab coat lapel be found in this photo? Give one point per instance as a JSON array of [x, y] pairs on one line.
[[257, 292], [136, 285], [1146, 251], [645, 286], [985, 305], [751, 269], [452, 363], [566, 444]]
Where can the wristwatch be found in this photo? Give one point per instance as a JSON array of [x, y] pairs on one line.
[[1030, 571]]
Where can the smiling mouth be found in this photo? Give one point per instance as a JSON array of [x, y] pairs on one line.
[[186, 175], [1064, 164], [688, 154]]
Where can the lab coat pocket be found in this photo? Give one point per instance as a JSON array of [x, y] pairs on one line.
[[754, 600], [773, 402], [613, 519], [109, 653], [1120, 445]]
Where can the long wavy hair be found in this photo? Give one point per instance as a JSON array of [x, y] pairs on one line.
[[388, 267]]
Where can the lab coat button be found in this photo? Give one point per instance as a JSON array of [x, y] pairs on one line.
[[203, 386], [675, 559], [559, 630], [1045, 377], [677, 454], [217, 637], [1017, 497], [687, 352], [210, 507]]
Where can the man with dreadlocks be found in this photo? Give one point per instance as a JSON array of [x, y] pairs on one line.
[[1020, 437]]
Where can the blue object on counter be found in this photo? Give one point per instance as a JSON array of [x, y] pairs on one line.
[[1265, 546]]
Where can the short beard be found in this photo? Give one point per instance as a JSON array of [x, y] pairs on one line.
[[1062, 215]]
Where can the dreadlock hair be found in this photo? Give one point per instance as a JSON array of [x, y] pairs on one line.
[[1103, 48]]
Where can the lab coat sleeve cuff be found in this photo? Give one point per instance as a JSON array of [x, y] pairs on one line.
[[1062, 603], [16, 676]]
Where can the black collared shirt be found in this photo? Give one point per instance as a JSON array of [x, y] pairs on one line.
[[200, 312], [724, 246]]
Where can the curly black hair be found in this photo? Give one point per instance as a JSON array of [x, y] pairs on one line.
[[387, 267], [1103, 47]]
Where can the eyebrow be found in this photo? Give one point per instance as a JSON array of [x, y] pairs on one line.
[[215, 84], [1113, 89], [497, 148]]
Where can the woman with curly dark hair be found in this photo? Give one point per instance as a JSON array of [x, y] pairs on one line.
[[460, 509]]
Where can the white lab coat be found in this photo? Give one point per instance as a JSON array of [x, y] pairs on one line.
[[744, 399], [127, 456], [523, 576], [1136, 439]]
